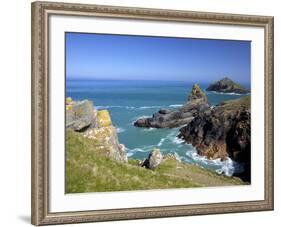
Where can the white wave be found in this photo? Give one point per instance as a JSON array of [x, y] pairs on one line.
[[176, 105], [161, 142], [227, 167], [134, 150], [228, 93], [109, 107], [129, 154], [148, 107], [135, 119], [142, 116], [149, 129], [177, 140], [120, 130], [172, 136], [128, 107], [141, 149], [105, 107]]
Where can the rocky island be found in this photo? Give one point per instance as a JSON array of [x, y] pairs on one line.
[[166, 118], [226, 85]]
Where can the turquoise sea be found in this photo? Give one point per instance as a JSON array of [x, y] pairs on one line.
[[129, 100]]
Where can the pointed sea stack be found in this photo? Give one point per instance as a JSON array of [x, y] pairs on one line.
[[167, 118]]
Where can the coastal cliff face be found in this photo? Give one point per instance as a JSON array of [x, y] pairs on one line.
[[223, 131], [82, 117], [226, 85], [166, 118]]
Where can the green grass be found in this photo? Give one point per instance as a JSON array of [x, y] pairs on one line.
[[237, 103], [88, 169]]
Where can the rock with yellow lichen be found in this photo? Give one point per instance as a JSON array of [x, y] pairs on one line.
[[81, 116], [104, 119]]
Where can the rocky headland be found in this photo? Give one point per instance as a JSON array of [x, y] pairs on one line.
[[226, 85], [168, 118], [97, 162], [82, 117], [223, 131]]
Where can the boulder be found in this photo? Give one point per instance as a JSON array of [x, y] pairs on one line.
[[153, 160], [164, 111], [80, 115], [171, 118]]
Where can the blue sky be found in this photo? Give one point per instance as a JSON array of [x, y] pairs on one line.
[[121, 57]]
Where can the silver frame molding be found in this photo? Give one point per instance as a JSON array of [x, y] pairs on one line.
[[40, 119]]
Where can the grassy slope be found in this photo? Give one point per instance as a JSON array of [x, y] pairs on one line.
[[237, 103], [89, 170]]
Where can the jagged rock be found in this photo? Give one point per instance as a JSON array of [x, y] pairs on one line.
[[221, 132], [164, 111], [197, 94], [226, 85], [80, 115], [153, 160], [166, 118]]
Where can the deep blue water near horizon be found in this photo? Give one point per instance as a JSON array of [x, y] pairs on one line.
[[129, 100]]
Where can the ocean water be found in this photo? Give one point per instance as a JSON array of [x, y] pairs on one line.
[[129, 100]]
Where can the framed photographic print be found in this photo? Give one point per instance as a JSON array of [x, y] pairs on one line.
[[146, 113]]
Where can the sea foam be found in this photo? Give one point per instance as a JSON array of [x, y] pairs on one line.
[[176, 105], [120, 130], [227, 167], [228, 93]]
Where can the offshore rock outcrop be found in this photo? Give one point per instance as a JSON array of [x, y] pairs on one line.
[[226, 85], [223, 131], [167, 118], [81, 116]]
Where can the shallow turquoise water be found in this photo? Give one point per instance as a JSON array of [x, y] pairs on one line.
[[129, 100]]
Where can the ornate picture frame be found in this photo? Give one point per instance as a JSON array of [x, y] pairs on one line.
[[41, 12]]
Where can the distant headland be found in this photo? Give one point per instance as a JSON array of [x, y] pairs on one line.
[[227, 85]]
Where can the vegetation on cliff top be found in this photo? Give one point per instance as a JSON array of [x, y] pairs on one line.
[[88, 169], [244, 102]]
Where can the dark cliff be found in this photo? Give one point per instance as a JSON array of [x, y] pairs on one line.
[[223, 131]]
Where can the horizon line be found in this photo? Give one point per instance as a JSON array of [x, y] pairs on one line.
[[124, 79]]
